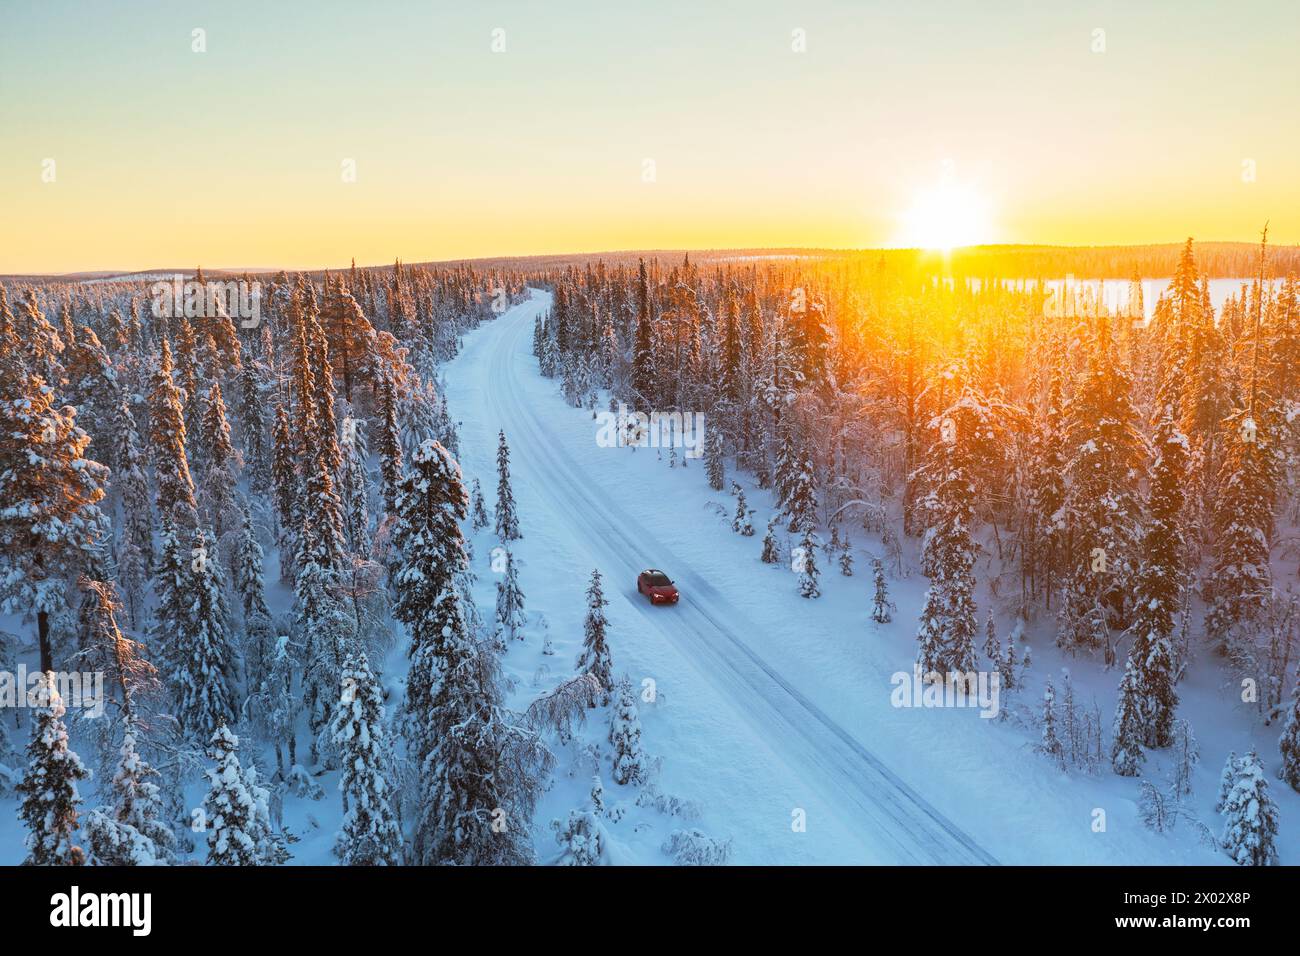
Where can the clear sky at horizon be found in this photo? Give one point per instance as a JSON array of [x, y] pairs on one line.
[[234, 157]]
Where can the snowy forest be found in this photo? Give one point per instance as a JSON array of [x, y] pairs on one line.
[[312, 562]]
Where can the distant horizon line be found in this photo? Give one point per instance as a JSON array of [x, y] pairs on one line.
[[682, 251]]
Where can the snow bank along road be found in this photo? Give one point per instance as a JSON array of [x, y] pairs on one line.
[[706, 628]]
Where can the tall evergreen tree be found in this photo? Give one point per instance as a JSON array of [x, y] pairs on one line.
[[49, 788], [595, 658], [50, 519], [167, 446], [370, 835], [1250, 818], [507, 527]]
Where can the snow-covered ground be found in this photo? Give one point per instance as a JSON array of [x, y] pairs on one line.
[[771, 716], [768, 703]]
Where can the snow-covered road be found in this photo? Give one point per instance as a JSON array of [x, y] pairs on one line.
[[494, 384]]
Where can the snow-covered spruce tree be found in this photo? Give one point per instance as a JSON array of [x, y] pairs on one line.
[[806, 566], [1050, 744], [771, 549], [1186, 754], [1289, 744], [49, 788], [252, 426], [370, 835], [247, 572], [205, 662], [1250, 816], [507, 523], [49, 493], [1106, 453], [1126, 755], [478, 511], [801, 502], [846, 559], [456, 725], [510, 617], [167, 446], [230, 806], [881, 606], [1047, 475], [325, 627], [715, 463], [134, 549], [220, 484], [1159, 580], [1241, 583], [390, 442], [630, 763], [992, 646], [643, 359], [284, 481], [595, 658], [946, 636], [1226, 779], [355, 487], [132, 831]]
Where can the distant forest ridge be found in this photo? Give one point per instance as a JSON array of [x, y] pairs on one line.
[[1214, 259]]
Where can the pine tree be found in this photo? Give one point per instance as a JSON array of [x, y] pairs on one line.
[[507, 527], [49, 788], [167, 446], [205, 661], [881, 607], [846, 559], [715, 465], [456, 724], [643, 364], [1226, 779], [630, 763], [992, 646], [135, 545], [247, 573], [946, 637], [132, 831], [806, 566], [1250, 816], [1242, 582], [771, 549], [1126, 755], [1289, 744], [390, 443], [510, 618], [354, 483], [221, 481], [49, 493], [1051, 743], [1159, 581], [595, 658], [370, 835], [253, 426], [1106, 455], [479, 509], [230, 806]]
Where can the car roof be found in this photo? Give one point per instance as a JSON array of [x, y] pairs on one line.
[[652, 571]]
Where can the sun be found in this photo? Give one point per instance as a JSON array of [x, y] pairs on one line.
[[946, 216]]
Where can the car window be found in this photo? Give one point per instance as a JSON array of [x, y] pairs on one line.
[[657, 580]]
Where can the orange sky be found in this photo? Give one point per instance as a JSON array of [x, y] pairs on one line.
[[758, 134]]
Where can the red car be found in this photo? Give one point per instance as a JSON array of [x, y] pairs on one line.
[[656, 586]]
